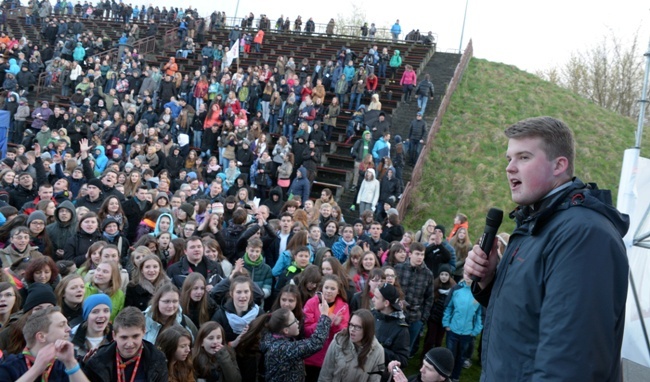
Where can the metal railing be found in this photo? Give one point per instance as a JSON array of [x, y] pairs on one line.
[[416, 175], [320, 29]]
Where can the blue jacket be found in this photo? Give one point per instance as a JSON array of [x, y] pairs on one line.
[[101, 160], [336, 74], [396, 29], [284, 260], [79, 53], [380, 149], [341, 249], [556, 307], [301, 186], [13, 67], [463, 313], [349, 73], [175, 108]]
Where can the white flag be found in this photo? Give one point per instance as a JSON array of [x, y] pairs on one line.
[[232, 54]]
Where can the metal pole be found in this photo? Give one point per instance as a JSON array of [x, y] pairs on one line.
[[235, 18], [644, 99], [462, 31]]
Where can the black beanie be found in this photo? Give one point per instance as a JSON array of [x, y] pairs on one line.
[[444, 268], [442, 360], [108, 221], [95, 182], [188, 208], [38, 294], [441, 228]]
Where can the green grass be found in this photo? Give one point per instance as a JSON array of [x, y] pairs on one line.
[[465, 170]]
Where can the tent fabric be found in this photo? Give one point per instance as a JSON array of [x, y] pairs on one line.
[[634, 200]]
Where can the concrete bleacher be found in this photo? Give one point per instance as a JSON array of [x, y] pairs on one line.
[[336, 171]]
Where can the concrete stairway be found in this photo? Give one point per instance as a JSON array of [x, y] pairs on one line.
[[441, 69]]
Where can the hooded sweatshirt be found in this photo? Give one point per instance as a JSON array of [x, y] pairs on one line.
[[396, 60], [369, 191], [274, 206], [101, 160], [59, 232], [362, 147], [301, 186], [13, 67], [157, 231]]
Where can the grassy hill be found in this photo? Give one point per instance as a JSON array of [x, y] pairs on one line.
[[465, 171]]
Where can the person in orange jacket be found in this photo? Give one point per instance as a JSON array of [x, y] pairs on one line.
[[171, 67], [258, 40]]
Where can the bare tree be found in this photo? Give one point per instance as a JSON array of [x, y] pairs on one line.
[[350, 24], [609, 74]]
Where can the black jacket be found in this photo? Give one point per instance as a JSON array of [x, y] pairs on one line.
[[20, 195], [435, 255], [137, 296], [134, 215], [77, 246], [179, 271], [392, 333], [234, 238], [93, 206], [102, 365]]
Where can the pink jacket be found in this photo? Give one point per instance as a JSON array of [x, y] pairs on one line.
[[408, 78], [312, 313]]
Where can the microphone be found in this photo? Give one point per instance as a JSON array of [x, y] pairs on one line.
[[492, 222]]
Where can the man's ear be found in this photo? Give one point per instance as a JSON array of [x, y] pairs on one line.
[[561, 165]]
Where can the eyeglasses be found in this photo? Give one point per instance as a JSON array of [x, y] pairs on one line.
[[353, 327], [39, 223], [292, 322], [389, 276]]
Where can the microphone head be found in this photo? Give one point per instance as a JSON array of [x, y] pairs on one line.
[[494, 217]]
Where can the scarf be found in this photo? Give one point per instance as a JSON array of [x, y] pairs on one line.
[[238, 323], [111, 237], [315, 244], [252, 263], [117, 217], [147, 285], [29, 360]]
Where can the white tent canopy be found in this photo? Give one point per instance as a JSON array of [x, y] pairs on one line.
[[634, 200]]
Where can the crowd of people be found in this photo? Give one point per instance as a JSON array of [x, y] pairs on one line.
[[160, 225]]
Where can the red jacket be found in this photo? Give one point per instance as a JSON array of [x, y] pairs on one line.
[[259, 37], [371, 83]]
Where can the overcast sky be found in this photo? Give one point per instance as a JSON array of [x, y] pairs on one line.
[[529, 34]]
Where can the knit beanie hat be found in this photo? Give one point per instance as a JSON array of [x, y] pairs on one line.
[[444, 268], [95, 182], [441, 228], [38, 294], [188, 209], [36, 215], [441, 359], [93, 300], [108, 221]]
